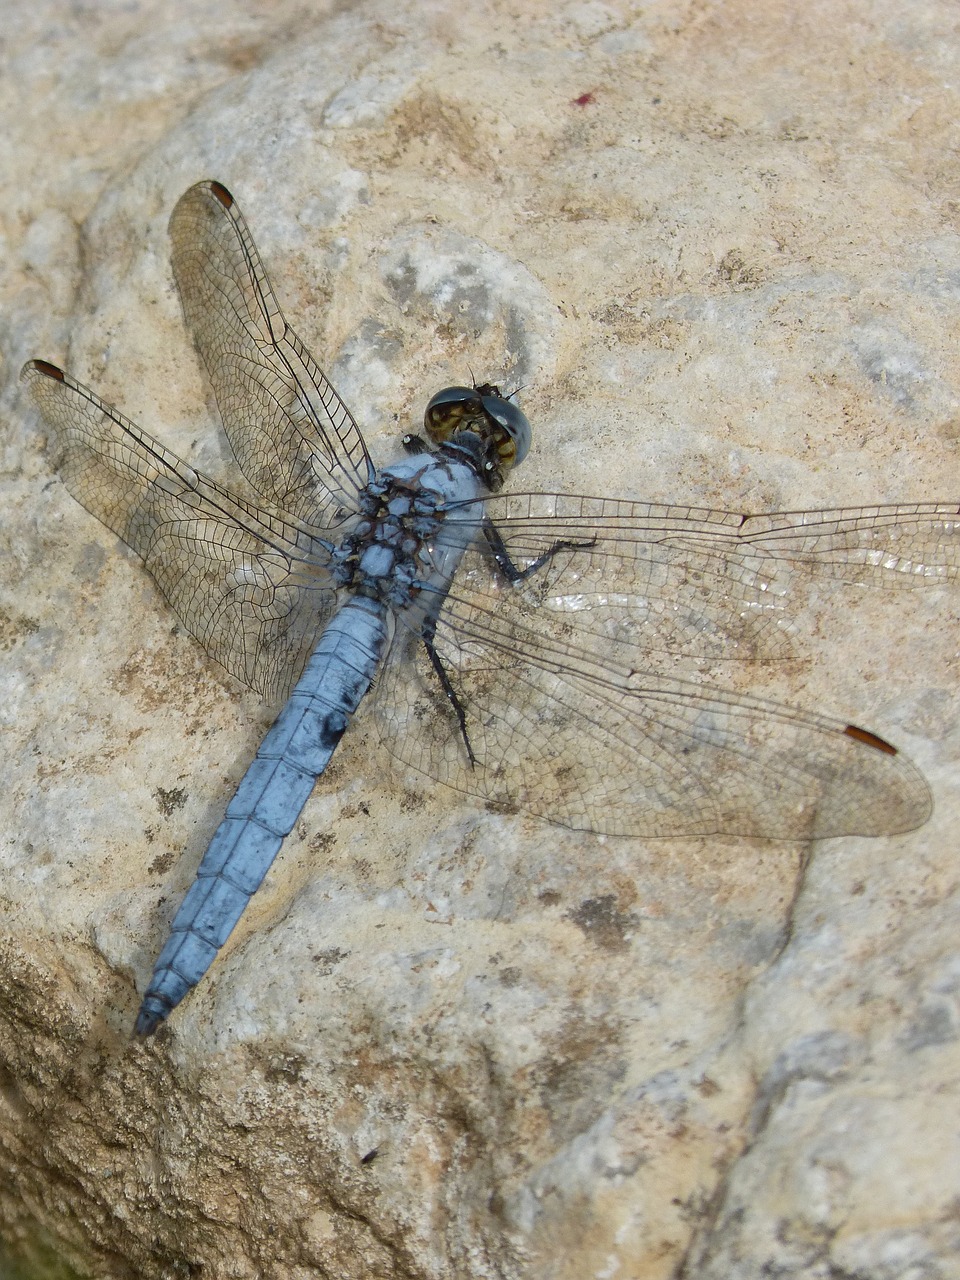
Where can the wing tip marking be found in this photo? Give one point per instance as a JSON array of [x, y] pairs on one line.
[[221, 193], [869, 739], [45, 367]]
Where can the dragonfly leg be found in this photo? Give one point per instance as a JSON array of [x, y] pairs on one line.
[[427, 636], [511, 571], [414, 444], [513, 574]]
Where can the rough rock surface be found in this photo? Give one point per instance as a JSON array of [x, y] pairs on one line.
[[719, 243]]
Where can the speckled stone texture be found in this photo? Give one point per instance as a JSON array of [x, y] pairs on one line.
[[719, 244]]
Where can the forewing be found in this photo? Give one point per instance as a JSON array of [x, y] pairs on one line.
[[561, 730], [685, 582], [246, 581], [568, 679], [292, 435]]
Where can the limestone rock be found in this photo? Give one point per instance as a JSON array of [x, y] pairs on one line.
[[719, 246]]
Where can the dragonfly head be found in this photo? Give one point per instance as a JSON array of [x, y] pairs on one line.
[[482, 423]]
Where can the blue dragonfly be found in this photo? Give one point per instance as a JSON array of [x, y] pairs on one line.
[[539, 651]]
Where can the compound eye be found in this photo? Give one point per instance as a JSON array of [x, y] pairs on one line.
[[513, 438], [484, 412], [451, 410]]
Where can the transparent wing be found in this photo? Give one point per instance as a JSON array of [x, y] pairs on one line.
[[292, 435], [712, 585], [559, 732], [248, 582], [568, 717]]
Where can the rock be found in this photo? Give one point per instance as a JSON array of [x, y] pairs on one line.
[[719, 249]]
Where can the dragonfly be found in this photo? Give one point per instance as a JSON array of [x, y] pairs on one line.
[[540, 651]]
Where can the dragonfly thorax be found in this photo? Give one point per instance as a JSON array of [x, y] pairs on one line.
[[387, 551]]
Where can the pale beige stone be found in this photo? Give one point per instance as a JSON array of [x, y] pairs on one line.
[[719, 243]]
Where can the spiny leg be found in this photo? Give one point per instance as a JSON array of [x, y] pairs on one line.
[[414, 444], [427, 635], [513, 574], [507, 567]]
